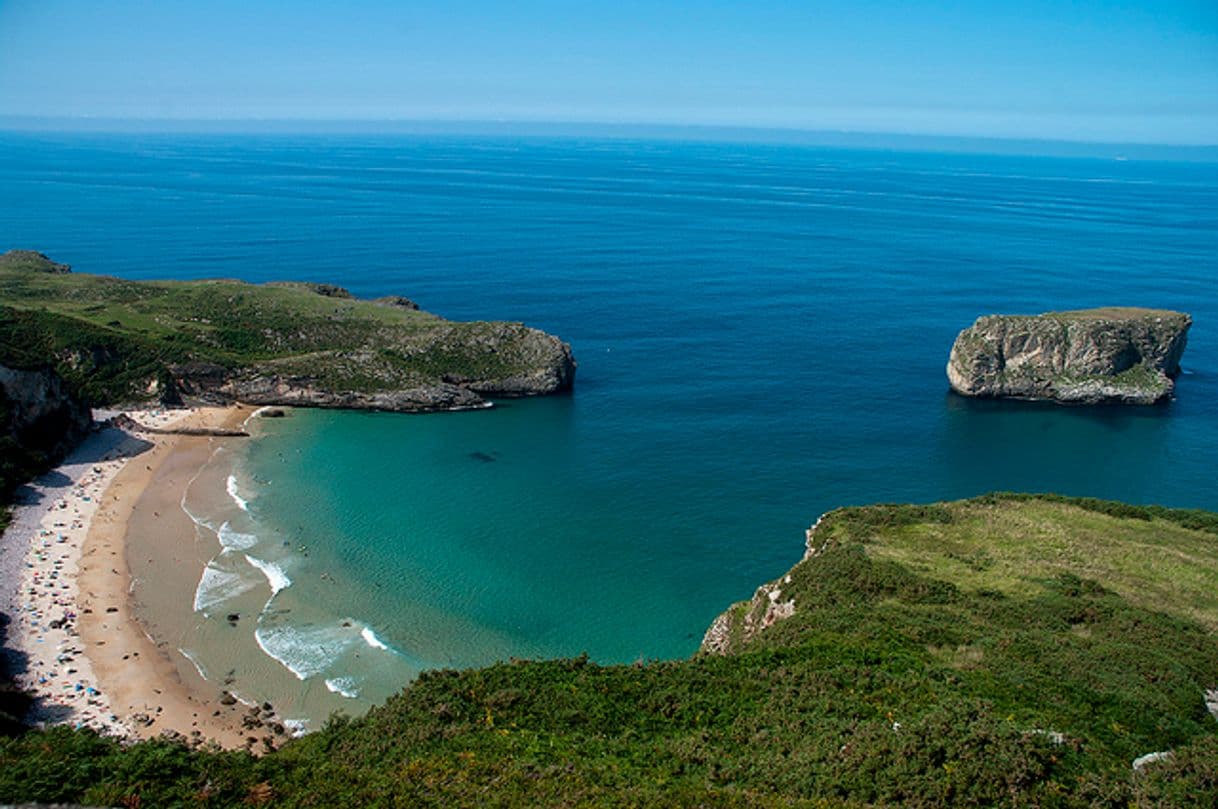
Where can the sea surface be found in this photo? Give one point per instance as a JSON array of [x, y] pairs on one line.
[[761, 333]]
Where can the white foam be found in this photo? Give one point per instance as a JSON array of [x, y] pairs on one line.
[[372, 640], [304, 652], [273, 572], [256, 414], [195, 519], [299, 727], [218, 585], [199, 521], [230, 486], [235, 540], [193, 662], [344, 686]]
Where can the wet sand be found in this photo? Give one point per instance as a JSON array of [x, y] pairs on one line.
[[147, 684]]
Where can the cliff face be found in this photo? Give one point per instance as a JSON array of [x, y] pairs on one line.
[[1095, 356], [771, 603], [527, 362], [40, 422]]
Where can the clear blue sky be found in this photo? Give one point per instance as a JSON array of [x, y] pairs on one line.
[[1085, 70]]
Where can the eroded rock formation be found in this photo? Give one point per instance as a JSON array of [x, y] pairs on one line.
[[1114, 355]]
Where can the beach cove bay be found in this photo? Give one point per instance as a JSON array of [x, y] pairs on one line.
[[761, 332]]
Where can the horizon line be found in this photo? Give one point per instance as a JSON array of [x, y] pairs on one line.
[[103, 124]]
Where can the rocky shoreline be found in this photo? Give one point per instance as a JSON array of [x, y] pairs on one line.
[[549, 361]]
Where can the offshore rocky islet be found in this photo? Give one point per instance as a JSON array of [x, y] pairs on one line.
[[1111, 355]]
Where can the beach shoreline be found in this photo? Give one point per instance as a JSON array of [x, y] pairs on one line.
[[76, 639]]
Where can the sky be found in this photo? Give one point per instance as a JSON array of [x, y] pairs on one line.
[[1088, 70]]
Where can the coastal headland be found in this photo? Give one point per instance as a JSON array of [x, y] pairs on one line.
[[226, 341]]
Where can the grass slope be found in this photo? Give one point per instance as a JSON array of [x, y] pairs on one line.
[[112, 338], [1110, 313], [1008, 650]]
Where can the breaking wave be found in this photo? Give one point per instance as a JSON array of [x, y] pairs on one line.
[[306, 652], [344, 686], [372, 640], [234, 540], [230, 486], [218, 584], [275, 574]]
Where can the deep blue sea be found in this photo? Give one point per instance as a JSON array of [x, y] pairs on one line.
[[761, 333]]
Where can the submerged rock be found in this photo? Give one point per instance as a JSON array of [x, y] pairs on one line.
[[1114, 355]]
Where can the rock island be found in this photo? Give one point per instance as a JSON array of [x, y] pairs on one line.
[[1112, 355]]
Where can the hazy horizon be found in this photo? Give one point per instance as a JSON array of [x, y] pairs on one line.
[[895, 141]]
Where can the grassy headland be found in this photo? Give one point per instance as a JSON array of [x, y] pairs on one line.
[[118, 340], [1005, 650]]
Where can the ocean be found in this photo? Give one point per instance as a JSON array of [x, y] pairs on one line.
[[761, 332]]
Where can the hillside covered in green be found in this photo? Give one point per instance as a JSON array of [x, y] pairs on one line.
[[1006, 650], [116, 340]]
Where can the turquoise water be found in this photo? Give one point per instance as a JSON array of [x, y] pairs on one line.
[[761, 333]]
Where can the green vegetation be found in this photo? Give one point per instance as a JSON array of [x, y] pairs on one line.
[[1102, 314], [30, 261], [1116, 313], [1007, 650], [117, 340]]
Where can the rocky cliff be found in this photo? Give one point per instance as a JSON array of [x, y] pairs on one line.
[[771, 603], [1114, 355], [504, 360], [40, 422]]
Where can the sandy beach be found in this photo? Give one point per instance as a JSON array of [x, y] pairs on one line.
[[78, 644]]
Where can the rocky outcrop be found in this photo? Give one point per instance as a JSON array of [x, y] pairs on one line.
[[40, 420], [549, 363], [770, 604], [125, 422], [304, 392], [1113, 355], [325, 290], [397, 302], [548, 360]]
